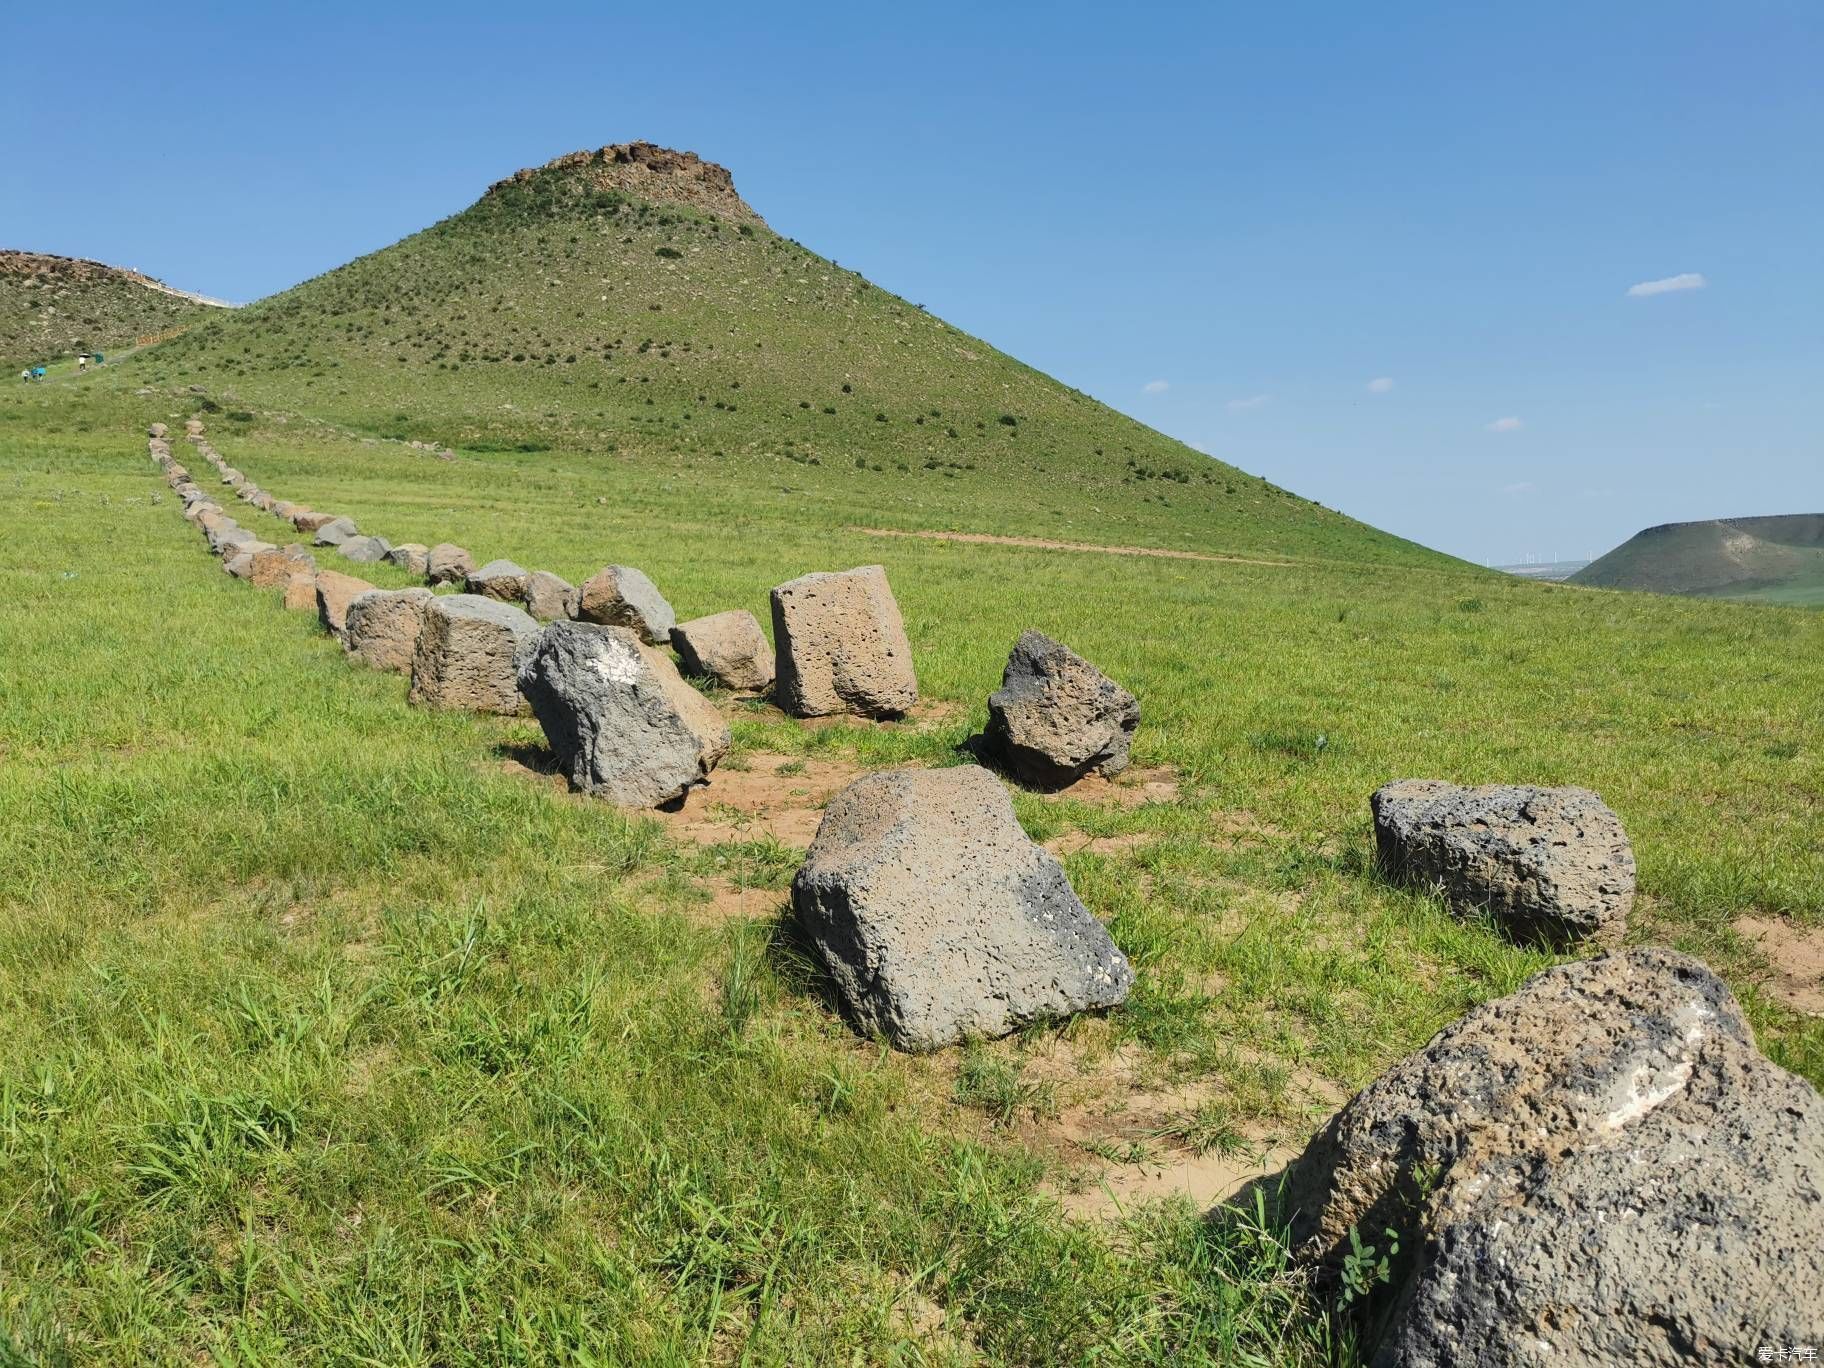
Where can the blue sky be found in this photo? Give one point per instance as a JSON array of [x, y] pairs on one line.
[[1228, 221]]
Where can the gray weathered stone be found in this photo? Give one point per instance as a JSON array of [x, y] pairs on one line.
[[1056, 717], [309, 520], [551, 598], [501, 580], [157, 430], [727, 647], [238, 560], [227, 533], [364, 550], [335, 591], [621, 720], [1551, 864], [940, 920], [336, 531], [383, 625], [447, 564], [840, 646], [469, 652], [412, 557], [1597, 1169], [622, 596]]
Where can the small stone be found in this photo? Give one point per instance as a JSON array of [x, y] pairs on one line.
[[1056, 717], [412, 557], [239, 559], [621, 596], [500, 580], [157, 430], [939, 919], [469, 652], [622, 722], [335, 591], [841, 647], [549, 597], [307, 520], [1547, 864], [383, 626], [447, 564], [364, 550], [336, 531], [727, 647]]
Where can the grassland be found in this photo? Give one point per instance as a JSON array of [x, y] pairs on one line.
[[335, 1033], [52, 308], [1764, 560], [332, 1036]]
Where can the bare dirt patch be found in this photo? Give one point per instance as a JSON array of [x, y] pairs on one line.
[[730, 902], [1796, 955], [1130, 789], [781, 796], [1047, 544]]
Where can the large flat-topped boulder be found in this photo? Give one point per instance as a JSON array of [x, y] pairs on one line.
[[1056, 717], [1547, 864], [501, 580], [840, 646], [727, 647], [1597, 1169], [447, 563], [622, 722], [335, 591], [382, 628], [939, 920], [469, 652], [622, 596], [551, 598]]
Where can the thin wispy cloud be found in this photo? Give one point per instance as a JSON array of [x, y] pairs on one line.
[[1519, 487], [1688, 280], [1381, 384], [1155, 387], [1251, 402], [1506, 425]]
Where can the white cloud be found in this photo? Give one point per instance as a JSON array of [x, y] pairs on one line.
[[1155, 387], [1689, 280], [1506, 425], [1198, 446], [1252, 402], [1381, 385], [1521, 487]]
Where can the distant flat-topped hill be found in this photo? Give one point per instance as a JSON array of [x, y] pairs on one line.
[[1778, 559], [54, 306], [627, 303]]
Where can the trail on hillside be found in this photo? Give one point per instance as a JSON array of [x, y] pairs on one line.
[[1047, 544]]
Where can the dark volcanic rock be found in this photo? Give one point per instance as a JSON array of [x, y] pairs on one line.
[[840, 646], [1056, 717]]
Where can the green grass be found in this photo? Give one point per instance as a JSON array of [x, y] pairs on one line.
[[52, 308], [331, 1036], [1764, 560]]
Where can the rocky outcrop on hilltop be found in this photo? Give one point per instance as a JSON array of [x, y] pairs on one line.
[[645, 171]]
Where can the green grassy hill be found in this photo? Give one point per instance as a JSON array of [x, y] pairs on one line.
[[1774, 560], [54, 307], [678, 333]]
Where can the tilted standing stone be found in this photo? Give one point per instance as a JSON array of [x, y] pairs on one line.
[[1056, 717], [551, 598], [621, 596], [501, 580], [447, 563], [335, 591], [841, 647], [940, 920], [383, 626], [727, 647], [623, 723], [469, 652], [1597, 1169], [1545, 863]]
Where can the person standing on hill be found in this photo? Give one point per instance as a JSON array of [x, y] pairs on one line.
[[82, 363]]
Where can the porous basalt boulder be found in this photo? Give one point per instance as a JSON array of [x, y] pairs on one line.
[[447, 563], [275, 565], [1056, 717], [622, 596], [469, 652], [727, 647], [1547, 864], [1597, 1169], [335, 532], [551, 598], [301, 592], [383, 625], [939, 919], [840, 646], [412, 557], [364, 550], [622, 722], [309, 520], [501, 580], [239, 559], [335, 591]]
